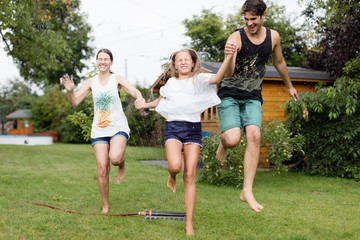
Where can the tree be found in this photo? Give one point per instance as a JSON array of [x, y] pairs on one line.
[[209, 32], [46, 38], [292, 42], [208, 37], [332, 114], [50, 110], [337, 23]]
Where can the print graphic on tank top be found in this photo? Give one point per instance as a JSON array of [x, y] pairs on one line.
[[248, 76], [103, 101]]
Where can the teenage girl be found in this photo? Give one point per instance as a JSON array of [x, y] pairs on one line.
[[182, 99]]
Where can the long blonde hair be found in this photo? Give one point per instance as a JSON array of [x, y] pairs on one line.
[[170, 65]]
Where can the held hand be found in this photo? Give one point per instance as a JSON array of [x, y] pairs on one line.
[[139, 103], [230, 48], [294, 94], [68, 83]]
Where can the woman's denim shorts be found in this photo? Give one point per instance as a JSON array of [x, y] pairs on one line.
[[107, 140]]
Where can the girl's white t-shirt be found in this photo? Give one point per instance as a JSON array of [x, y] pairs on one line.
[[109, 117], [185, 100]]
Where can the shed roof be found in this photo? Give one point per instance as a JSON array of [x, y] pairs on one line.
[[271, 72], [21, 113]]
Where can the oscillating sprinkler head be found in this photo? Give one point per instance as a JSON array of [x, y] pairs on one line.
[[157, 215]]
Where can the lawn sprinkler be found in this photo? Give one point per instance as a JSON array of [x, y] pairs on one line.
[[149, 214], [158, 215]]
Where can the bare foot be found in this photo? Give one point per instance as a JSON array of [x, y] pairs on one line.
[[121, 173], [250, 199], [171, 183], [221, 154], [189, 229], [105, 209]]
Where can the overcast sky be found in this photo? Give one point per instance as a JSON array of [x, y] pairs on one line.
[[140, 33]]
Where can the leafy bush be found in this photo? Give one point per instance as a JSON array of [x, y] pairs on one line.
[[331, 130], [282, 144], [82, 119], [146, 127], [232, 173]]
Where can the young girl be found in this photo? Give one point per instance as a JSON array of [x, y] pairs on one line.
[[183, 98], [110, 130]]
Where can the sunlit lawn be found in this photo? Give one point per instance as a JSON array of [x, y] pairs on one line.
[[64, 175]]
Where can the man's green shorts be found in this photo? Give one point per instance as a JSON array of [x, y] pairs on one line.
[[239, 113]]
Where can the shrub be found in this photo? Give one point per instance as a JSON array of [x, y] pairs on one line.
[[282, 144], [331, 130], [82, 120], [146, 127], [232, 173]]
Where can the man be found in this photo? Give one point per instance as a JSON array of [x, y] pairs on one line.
[[240, 91]]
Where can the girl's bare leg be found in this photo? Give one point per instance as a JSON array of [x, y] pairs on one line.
[[191, 155], [175, 161]]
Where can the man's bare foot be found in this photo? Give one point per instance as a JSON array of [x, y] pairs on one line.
[[250, 199], [171, 183], [189, 229], [121, 173], [221, 154]]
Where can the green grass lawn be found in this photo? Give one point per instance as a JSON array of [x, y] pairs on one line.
[[64, 175]]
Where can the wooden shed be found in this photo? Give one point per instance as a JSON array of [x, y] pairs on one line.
[[274, 93], [23, 125], [22, 122]]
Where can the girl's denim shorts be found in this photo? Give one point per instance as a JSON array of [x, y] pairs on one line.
[[184, 132]]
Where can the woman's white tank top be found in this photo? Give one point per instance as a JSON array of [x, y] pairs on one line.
[[109, 117]]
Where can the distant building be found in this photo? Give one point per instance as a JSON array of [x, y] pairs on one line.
[[21, 122], [22, 125]]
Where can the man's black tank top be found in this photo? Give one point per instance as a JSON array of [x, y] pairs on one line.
[[249, 70]]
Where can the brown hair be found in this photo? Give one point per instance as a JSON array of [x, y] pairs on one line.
[[256, 7], [107, 51], [195, 58]]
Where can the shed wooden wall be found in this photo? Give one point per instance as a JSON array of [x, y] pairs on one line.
[[275, 94], [21, 128]]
